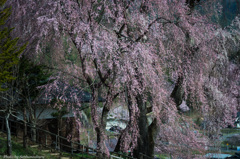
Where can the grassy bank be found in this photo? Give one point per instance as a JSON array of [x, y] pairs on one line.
[[230, 131], [18, 150]]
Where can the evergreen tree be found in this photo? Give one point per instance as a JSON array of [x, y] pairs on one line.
[[29, 77], [9, 50], [9, 57], [22, 91]]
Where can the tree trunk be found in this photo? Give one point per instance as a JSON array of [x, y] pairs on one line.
[[121, 137], [117, 147], [152, 131], [143, 143], [9, 142], [25, 137], [98, 127], [178, 92], [99, 142], [33, 124], [33, 132], [32, 120], [147, 133]]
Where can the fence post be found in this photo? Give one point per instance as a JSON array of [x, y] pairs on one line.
[[71, 148], [37, 136], [2, 124], [56, 143], [45, 139], [60, 143]]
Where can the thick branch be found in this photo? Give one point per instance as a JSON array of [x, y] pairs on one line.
[[86, 76]]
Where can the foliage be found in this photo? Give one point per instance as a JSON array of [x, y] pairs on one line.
[[9, 49], [22, 91], [30, 76]]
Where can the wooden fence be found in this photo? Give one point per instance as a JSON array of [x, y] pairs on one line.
[[53, 141]]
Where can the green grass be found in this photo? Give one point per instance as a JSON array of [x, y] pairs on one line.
[[230, 131], [162, 156], [18, 150]]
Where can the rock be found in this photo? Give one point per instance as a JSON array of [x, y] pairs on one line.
[[184, 106]]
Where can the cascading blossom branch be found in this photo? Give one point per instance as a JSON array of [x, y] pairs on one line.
[[128, 50]]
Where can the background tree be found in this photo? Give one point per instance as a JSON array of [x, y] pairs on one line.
[[30, 76], [21, 93], [9, 57], [9, 50], [9, 99], [223, 72]]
